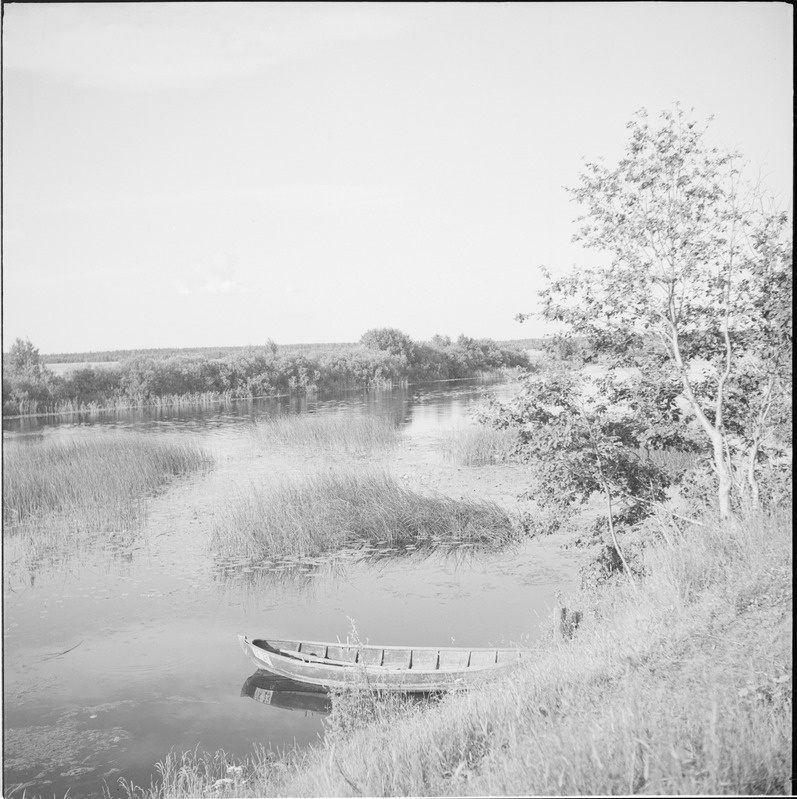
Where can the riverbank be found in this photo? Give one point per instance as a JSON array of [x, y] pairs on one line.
[[30, 388], [681, 686]]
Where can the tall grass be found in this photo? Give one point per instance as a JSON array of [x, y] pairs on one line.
[[478, 445], [354, 435], [88, 486], [327, 511], [682, 686]]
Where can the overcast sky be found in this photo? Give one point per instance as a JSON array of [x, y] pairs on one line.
[[221, 174]]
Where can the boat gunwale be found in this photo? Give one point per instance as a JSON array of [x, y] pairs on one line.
[[307, 657]]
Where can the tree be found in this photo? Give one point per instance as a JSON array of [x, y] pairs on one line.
[[24, 360], [697, 289], [27, 383], [390, 340], [576, 445]]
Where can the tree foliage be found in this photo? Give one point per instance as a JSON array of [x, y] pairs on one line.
[[695, 293]]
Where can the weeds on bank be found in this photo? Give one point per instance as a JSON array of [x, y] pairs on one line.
[[683, 687], [329, 511], [355, 435], [478, 445], [54, 493]]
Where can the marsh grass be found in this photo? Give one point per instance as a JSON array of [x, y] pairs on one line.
[[56, 493], [476, 445], [681, 687], [328, 511], [354, 435]]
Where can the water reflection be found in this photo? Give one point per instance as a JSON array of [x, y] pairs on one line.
[[303, 573], [424, 405], [272, 689]]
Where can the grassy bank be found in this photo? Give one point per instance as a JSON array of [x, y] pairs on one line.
[[682, 686], [353, 435], [328, 511], [55, 492]]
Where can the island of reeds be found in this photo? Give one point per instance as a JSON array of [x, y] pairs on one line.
[[60, 495]]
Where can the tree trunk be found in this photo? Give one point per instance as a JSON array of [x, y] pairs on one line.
[[752, 480], [723, 476]]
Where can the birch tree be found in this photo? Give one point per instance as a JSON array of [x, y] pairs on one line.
[[697, 287]]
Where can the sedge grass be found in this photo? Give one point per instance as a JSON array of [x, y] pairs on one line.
[[354, 435], [325, 512], [478, 445], [683, 686], [56, 492]]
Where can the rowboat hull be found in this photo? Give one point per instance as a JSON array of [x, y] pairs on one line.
[[418, 669]]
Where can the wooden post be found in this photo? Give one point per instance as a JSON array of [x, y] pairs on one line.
[[565, 623]]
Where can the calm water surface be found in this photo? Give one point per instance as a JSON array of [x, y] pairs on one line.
[[117, 656]]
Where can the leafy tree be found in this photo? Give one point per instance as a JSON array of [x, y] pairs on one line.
[[696, 291], [24, 361], [578, 444], [390, 340]]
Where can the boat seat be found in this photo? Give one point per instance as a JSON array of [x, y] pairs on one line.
[[397, 658], [343, 654], [453, 659], [488, 658], [424, 660]]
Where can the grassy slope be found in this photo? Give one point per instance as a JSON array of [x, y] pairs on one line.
[[684, 687]]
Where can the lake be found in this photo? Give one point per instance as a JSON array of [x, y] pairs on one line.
[[113, 658]]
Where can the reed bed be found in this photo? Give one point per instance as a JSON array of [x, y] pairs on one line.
[[328, 511], [478, 445], [353, 435], [681, 686], [61, 490]]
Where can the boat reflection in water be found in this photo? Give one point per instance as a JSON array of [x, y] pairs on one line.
[[272, 689]]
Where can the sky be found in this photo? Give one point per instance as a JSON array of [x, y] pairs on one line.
[[202, 174]]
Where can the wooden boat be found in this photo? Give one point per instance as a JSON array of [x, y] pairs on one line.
[[380, 668], [272, 689]]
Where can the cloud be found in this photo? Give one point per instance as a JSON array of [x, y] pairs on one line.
[[208, 284], [168, 45], [220, 278]]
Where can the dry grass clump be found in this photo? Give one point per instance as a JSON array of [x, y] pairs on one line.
[[478, 446], [355, 435], [55, 492], [328, 511], [681, 687]]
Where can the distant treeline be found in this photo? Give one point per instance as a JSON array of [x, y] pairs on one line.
[[383, 357], [112, 356]]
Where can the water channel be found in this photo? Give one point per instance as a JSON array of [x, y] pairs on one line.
[[114, 658]]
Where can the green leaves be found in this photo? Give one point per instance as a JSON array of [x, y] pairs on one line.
[[699, 274]]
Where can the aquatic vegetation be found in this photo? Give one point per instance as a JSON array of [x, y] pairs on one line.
[[681, 687], [478, 445], [328, 511], [199, 376], [54, 493], [351, 434]]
